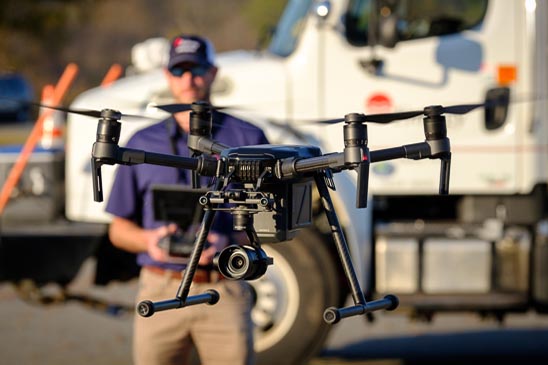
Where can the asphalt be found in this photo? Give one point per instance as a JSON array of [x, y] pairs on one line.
[[70, 330]]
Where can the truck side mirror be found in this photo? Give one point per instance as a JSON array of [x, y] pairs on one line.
[[496, 107], [388, 30]]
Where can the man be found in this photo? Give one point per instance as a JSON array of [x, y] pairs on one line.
[[222, 333]]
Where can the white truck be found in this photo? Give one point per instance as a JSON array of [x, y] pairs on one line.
[[484, 247]]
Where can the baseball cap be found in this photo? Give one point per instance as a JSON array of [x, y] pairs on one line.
[[191, 48]]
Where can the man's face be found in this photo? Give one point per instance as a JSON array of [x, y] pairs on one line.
[[190, 82]]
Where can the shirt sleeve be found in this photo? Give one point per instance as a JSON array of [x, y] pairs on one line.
[[124, 199], [262, 138]]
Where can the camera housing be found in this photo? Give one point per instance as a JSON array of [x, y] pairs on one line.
[[242, 262]]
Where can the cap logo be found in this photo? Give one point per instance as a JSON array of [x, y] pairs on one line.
[[186, 46]]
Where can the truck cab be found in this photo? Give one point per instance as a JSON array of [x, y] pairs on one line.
[[330, 58]]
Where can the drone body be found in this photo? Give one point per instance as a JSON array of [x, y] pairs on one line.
[[288, 199], [273, 200]]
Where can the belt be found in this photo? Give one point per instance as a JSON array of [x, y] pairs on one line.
[[200, 275]]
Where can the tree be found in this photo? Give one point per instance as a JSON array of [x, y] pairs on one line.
[[39, 38]]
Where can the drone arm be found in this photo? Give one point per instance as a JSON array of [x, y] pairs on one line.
[[111, 154], [415, 151], [159, 159], [205, 144], [292, 167], [436, 148]]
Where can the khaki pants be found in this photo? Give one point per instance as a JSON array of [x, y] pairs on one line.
[[222, 333]]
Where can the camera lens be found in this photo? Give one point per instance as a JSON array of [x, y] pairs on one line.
[[242, 262], [238, 263], [233, 262]]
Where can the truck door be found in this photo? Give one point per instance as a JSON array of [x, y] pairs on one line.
[[448, 52]]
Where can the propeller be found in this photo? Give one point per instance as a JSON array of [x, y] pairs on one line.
[[178, 107], [98, 113], [501, 99], [375, 118], [392, 117], [85, 112]]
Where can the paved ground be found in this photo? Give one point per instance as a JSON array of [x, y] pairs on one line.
[[73, 333]]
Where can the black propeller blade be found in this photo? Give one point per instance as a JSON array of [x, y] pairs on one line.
[[85, 112], [97, 113], [462, 109], [392, 117], [379, 118], [177, 108]]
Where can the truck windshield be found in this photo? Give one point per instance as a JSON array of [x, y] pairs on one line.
[[416, 18], [289, 27]]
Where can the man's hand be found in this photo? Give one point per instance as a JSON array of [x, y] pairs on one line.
[[217, 243], [153, 237]]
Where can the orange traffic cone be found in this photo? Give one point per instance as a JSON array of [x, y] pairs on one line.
[[52, 136]]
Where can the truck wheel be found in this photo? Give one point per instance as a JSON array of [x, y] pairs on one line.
[[291, 298]]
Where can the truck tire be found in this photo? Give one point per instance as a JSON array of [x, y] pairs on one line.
[[291, 298]]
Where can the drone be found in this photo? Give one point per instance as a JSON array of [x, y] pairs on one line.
[[268, 188]]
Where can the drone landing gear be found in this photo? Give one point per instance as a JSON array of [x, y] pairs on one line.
[[250, 262], [147, 308], [333, 315]]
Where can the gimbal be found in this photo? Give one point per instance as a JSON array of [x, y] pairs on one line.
[[272, 198]]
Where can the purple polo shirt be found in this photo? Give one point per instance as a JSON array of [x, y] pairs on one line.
[[131, 194]]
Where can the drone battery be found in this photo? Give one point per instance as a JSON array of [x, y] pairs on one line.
[[292, 210]]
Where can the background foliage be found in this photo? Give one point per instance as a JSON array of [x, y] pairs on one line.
[[38, 38]]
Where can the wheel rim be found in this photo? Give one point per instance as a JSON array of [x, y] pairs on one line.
[[277, 302]]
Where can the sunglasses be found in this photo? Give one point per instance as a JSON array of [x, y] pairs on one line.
[[197, 70]]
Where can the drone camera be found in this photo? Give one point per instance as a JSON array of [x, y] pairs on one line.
[[242, 262]]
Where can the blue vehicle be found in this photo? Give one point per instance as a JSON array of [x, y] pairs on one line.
[[14, 90]]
